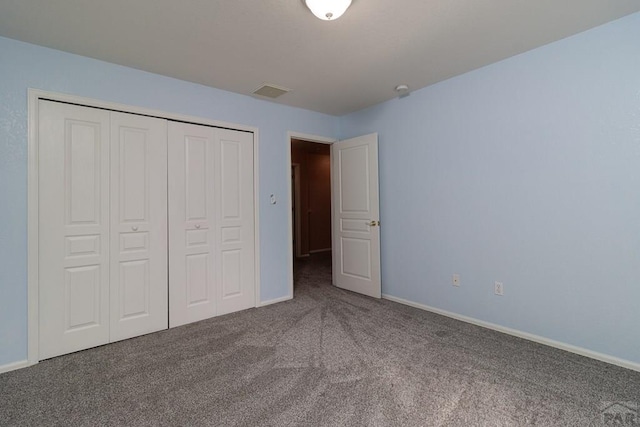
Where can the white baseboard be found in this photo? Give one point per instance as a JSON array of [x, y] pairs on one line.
[[520, 334], [15, 365], [316, 251], [275, 301]]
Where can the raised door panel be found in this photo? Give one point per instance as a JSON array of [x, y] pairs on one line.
[[73, 226], [197, 280], [353, 167], [234, 183], [192, 219], [139, 247], [195, 176]]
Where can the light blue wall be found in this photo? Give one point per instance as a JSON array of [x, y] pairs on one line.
[[526, 171], [25, 66]]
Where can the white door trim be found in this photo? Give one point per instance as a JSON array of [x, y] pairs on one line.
[[34, 95], [311, 138]]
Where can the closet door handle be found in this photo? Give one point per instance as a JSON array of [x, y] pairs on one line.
[[134, 228], [197, 225]]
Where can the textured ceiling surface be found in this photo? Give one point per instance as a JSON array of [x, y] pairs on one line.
[[334, 67]]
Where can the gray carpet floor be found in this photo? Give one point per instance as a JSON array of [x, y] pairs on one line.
[[327, 358]]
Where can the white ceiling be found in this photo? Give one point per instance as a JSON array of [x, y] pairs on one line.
[[333, 67]]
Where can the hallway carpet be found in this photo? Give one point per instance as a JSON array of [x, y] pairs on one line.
[[327, 358]]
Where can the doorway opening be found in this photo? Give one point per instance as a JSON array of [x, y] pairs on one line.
[[311, 210]]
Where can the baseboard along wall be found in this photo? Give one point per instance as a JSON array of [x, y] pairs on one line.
[[15, 365], [316, 251], [275, 300], [520, 334]]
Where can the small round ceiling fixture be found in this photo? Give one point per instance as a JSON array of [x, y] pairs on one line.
[[402, 88], [328, 10]]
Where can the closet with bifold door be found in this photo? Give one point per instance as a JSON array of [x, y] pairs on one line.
[[121, 198]]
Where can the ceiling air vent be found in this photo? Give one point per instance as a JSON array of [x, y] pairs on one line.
[[270, 91]]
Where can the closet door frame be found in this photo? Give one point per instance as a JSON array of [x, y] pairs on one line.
[[33, 286]]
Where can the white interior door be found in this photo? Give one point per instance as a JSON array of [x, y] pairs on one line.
[[356, 215], [192, 221], [139, 287], [73, 228], [235, 220]]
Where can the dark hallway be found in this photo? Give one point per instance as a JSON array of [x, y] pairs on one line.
[[313, 271]]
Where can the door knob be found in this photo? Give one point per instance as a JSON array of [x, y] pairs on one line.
[[197, 225], [134, 228]]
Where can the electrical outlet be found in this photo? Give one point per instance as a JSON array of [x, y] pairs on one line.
[[456, 280], [498, 288]]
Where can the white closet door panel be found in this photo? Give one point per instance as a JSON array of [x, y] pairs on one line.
[[192, 219], [234, 184], [73, 228], [139, 298]]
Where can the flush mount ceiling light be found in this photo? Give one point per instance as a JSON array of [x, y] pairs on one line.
[[328, 10]]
